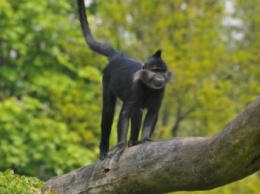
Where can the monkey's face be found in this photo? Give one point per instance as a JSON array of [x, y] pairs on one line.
[[156, 73], [157, 80], [153, 79]]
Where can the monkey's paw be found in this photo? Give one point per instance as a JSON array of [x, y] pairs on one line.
[[133, 143], [103, 156], [117, 149], [145, 140]]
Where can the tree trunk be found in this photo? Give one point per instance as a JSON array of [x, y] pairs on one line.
[[178, 164]]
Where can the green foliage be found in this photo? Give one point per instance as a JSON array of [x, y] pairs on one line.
[[35, 144], [48, 103], [11, 183]]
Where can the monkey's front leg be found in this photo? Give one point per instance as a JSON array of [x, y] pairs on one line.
[[122, 128], [149, 124]]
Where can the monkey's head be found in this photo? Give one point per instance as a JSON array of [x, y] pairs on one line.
[[155, 73]]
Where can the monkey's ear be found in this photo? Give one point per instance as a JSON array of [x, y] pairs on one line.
[[158, 53]]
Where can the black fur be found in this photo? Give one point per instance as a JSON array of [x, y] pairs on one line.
[[139, 86]]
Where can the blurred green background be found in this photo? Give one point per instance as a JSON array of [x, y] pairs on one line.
[[50, 82]]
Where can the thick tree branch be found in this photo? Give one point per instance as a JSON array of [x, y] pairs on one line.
[[174, 165]]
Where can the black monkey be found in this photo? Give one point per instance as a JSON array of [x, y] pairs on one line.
[[139, 86]]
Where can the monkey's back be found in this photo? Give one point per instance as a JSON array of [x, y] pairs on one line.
[[118, 76]]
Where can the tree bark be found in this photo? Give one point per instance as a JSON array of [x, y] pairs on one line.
[[178, 164]]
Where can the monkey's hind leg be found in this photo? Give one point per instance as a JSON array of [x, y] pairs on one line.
[[108, 111], [136, 120], [122, 128]]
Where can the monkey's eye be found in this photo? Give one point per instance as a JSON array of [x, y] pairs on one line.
[[158, 70]]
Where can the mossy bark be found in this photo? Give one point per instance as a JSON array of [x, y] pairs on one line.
[[177, 164]]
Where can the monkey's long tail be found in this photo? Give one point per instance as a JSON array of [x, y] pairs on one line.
[[102, 48]]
